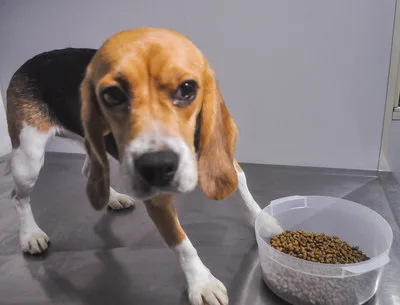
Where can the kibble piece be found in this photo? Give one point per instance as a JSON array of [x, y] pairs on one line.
[[317, 247]]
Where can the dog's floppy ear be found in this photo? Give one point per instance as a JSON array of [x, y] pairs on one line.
[[218, 133], [98, 183]]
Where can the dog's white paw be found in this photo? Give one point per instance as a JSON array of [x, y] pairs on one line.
[[207, 290], [269, 226], [119, 201], [34, 241]]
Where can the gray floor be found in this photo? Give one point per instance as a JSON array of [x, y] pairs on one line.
[[119, 258]]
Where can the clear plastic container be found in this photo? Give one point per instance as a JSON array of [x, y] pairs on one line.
[[301, 282]]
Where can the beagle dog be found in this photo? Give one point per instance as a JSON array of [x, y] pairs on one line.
[[149, 98]]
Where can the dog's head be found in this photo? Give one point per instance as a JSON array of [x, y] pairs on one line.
[[156, 93]]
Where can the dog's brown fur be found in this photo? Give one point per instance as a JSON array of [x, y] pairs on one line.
[[21, 110]]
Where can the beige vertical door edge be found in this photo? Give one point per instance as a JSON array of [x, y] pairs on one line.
[[5, 144], [392, 94]]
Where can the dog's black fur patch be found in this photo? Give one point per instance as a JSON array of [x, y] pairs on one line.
[[53, 80]]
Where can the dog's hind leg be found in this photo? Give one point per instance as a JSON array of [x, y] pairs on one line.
[[30, 129], [26, 161]]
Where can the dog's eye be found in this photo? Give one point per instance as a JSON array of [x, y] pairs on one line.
[[185, 93], [114, 96]]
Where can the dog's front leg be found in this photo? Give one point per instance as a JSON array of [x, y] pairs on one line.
[[203, 287]]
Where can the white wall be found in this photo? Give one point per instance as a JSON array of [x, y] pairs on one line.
[[304, 79]]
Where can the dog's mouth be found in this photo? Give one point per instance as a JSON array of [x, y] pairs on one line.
[[142, 190]]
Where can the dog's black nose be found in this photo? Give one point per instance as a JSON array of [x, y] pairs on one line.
[[157, 168]]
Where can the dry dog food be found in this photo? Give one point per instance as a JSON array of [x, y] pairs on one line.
[[319, 248]]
